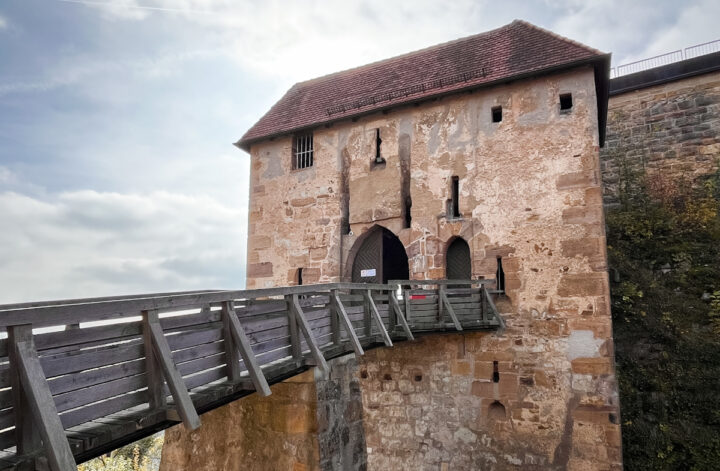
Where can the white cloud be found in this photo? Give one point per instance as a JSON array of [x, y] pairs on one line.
[[3, 22], [86, 243]]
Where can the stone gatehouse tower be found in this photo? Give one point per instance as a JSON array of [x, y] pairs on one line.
[[474, 158]]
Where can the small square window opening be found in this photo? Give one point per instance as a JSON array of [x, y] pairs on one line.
[[496, 114], [302, 151], [566, 101]]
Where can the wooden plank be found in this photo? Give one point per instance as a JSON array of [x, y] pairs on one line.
[[347, 326], [378, 320], [175, 382], [242, 343], [55, 313], [399, 315], [307, 333], [42, 408], [81, 415]]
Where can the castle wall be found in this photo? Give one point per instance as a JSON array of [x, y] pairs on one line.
[[673, 129], [529, 193]]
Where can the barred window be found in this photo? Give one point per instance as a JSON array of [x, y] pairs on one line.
[[302, 152]]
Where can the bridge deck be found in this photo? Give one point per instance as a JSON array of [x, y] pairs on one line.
[[81, 377]]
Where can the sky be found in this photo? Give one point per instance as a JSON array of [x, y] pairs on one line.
[[117, 117]]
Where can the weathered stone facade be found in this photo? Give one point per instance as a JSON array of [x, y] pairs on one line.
[[673, 128], [530, 193]]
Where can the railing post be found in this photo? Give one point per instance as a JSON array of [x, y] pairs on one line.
[[367, 317], [334, 318], [406, 300], [36, 402], [441, 293], [295, 346], [392, 315], [155, 381], [232, 355], [27, 439]]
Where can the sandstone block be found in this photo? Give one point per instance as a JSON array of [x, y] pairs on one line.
[[575, 180], [260, 270], [583, 284], [592, 366]]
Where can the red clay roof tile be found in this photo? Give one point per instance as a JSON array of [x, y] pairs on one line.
[[512, 51]]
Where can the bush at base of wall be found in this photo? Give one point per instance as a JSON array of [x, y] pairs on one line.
[[664, 253]]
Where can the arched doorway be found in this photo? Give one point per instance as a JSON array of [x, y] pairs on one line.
[[457, 260], [380, 257]]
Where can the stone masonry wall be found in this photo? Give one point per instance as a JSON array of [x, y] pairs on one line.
[[529, 193], [673, 128], [255, 433]]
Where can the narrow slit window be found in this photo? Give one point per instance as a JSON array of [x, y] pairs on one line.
[[299, 276], [500, 276], [566, 101], [302, 151], [455, 198], [496, 372], [408, 213], [378, 144], [496, 114]]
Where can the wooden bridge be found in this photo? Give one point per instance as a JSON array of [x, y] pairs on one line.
[[79, 378]]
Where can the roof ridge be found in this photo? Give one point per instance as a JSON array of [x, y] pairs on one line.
[[405, 54], [557, 36]]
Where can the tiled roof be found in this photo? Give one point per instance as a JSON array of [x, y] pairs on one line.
[[516, 50]]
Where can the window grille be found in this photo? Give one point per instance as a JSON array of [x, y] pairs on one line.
[[302, 151]]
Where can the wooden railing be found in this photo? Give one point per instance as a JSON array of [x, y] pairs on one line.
[[81, 377]]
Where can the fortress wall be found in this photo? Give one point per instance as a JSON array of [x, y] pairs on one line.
[[672, 128]]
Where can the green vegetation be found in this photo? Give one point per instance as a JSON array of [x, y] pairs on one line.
[[664, 249], [143, 455]]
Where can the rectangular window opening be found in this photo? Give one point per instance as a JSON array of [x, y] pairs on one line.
[[496, 114], [496, 372], [455, 198], [302, 151], [299, 276], [500, 276], [566, 101]]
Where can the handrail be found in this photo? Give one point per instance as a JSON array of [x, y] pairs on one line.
[[150, 361]]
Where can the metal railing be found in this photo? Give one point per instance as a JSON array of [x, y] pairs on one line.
[[116, 369], [664, 59]]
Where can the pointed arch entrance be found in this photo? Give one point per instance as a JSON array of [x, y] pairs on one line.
[[379, 256], [457, 260]]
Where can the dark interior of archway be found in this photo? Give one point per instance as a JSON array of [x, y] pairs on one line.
[[395, 261], [381, 257], [457, 261]]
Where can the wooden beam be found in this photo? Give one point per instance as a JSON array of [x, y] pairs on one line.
[[243, 344], [232, 356], [450, 310], [179, 392], [398, 312], [37, 394], [376, 315], [345, 321], [299, 316]]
